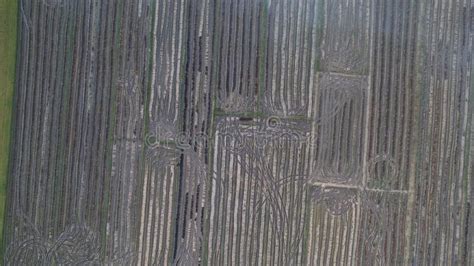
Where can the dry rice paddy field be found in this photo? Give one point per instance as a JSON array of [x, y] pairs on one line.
[[241, 132]]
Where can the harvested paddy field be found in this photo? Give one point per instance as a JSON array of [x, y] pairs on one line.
[[237, 132]]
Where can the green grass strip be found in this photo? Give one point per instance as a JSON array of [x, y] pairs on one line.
[[8, 36]]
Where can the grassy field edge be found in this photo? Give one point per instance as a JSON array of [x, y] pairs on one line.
[[8, 38]]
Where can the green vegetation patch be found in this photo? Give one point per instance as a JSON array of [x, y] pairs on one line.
[[8, 37]]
